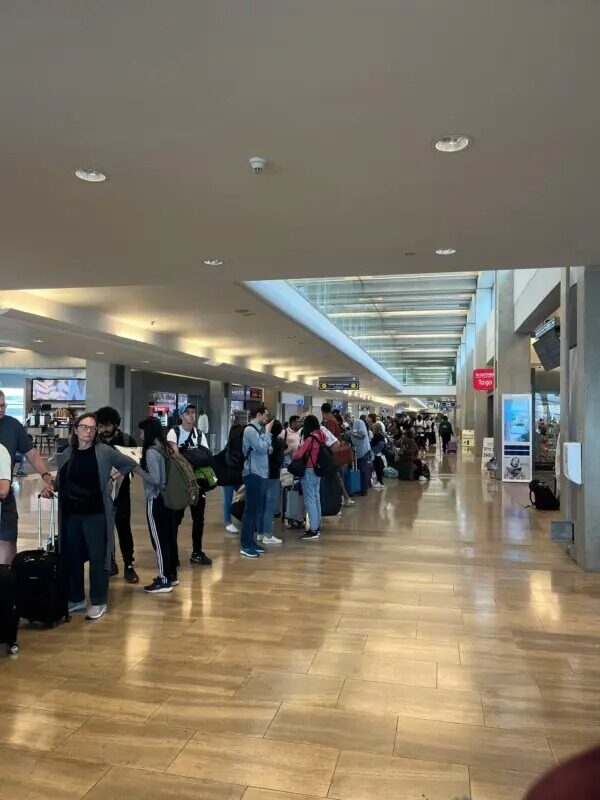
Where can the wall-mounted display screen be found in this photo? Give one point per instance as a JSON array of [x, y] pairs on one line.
[[165, 399], [58, 389]]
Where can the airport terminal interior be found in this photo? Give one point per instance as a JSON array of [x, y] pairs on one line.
[[334, 266]]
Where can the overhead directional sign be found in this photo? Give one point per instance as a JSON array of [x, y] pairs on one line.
[[339, 384]]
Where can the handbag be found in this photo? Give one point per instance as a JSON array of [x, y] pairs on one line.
[[297, 467]]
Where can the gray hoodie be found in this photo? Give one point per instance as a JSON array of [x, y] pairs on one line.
[[156, 466]]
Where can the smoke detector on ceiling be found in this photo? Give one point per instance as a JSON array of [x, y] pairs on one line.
[[257, 164]]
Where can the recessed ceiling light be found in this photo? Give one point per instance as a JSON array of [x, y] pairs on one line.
[[213, 262], [90, 175], [145, 362], [38, 341], [453, 143], [99, 352], [446, 251]]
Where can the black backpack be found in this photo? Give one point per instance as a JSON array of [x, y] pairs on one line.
[[234, 454], [325, 465], [542, 497]]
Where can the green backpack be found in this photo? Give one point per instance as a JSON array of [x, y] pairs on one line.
[[181, 489]]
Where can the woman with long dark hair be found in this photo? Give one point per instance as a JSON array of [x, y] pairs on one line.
[[313, 439], [161, 520], [86, 512]]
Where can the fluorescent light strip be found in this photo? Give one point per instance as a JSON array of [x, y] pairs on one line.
[[408, 336], [461, 312]]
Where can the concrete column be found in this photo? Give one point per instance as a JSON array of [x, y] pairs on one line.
[[460, 386], [583, 410], [512, 357], [483, 309], [469, 393], [109, 385], [218, 422]]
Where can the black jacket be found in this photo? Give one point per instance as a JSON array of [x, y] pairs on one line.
[[276, 457]]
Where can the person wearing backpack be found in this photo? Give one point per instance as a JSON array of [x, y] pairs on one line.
[[228, 466], [179, 439], [309, 451], [161, 520], [446, 432], [256, 447], [273, 494]]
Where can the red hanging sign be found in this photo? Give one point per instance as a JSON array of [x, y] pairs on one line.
[[483, 379]]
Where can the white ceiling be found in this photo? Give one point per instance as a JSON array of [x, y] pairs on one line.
[[342, 97]]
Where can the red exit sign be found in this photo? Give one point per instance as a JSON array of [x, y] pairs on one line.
[[483, 379]]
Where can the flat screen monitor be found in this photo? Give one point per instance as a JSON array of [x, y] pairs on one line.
[[61, 390], [547, 348]]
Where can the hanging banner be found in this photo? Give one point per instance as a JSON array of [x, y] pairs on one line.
[[483, 379], [516, 437]]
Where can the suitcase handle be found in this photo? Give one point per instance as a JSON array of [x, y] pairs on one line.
[[52, 523]]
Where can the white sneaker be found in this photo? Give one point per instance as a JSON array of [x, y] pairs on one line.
[[231, 529], [259, 537], [378, 486], [95, 612], [347, 503], [422, 478], [271, 540]]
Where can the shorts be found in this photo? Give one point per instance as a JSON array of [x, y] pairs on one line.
[[9, 519]]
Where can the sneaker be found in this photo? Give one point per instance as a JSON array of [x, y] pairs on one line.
[[259, 537], [271, 540], [310, 536], [131, 575], [200, 558], [174, 580], [347, 503], [158, 586], [249, 552], [422, 479], [79, 606], [378, 486], [95, 612], [231, 529], [259, 549]]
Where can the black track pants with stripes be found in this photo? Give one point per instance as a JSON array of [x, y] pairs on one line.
[[161, 524]]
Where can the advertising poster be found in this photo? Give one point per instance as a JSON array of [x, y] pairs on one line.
[[517, 438]]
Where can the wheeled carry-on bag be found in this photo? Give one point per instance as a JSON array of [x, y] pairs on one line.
[[331, 495], [9, 617], [293, 502], [42, 589], [352, 479], [451, 447]]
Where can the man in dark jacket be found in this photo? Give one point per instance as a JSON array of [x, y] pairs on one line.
[[109, 432], [446, 432]]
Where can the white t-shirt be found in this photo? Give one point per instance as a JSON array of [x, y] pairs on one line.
[[5, 464], [329, 437], [184, 436]]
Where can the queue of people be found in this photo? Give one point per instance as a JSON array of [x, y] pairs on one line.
[[93, 482]]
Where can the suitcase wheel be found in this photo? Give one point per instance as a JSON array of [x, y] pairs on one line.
[[13, 649]]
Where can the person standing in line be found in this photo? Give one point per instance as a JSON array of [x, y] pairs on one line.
[[446, 432], [291, 438], [109, 433], [362, 445], [377, 448], [161, 520], [313, 439], [331, 423], [256, 447], [14, 438], [203, 422], [182, 438], [86, 527], [229, 463], [273, 493]]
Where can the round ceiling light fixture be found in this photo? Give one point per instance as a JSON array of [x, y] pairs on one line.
[[99, 352], [213, 262], [90, 175], [445, 251], [38, 341], [453, 143]]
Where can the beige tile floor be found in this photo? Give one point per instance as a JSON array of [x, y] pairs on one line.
[[433, 644]]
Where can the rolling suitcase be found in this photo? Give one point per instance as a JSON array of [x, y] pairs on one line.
[[352, 479], [331, 495], [294, 506], [42, 582], [9, 618], [451, 447]]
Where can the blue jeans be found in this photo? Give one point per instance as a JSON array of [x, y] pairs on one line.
[[272, 498], [364, 465], [254, 509], [228, 492], [311, 489]]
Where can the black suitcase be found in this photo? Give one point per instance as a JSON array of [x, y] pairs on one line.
[[331, 495], [42, 582], [9, 617]]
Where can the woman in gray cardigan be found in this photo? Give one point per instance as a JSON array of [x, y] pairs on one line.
[[86, 512]]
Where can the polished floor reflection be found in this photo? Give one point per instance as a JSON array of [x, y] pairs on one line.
[[432, 644]]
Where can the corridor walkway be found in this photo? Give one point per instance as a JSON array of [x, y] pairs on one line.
[[431, 645]]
